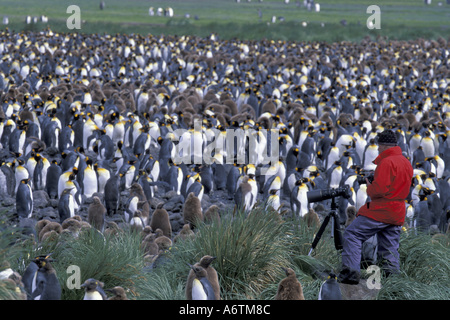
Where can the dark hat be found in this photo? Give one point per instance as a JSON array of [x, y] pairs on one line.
[[387, 137]]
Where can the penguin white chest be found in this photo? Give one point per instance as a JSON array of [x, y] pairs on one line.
[[198, 293], [90, 182], [94, 295]]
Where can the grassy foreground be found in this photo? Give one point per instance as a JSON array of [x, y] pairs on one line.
[[400, 19], [250, 252]]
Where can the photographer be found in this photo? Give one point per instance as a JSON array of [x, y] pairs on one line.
[[383, 215]]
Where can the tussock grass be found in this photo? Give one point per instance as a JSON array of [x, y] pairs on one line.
[[250, 248], [425, 271]]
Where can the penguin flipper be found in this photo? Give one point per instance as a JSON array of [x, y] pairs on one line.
[[102, 292], [40, 286], [27, 277], [208, 289]]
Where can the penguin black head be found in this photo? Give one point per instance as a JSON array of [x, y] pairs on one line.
[[273, 192]]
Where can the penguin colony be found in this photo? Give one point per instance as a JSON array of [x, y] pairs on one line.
[[92, 122]]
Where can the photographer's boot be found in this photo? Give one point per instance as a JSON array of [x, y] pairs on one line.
[[348, 276]]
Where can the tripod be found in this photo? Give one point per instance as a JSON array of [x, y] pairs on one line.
[[335, 231]]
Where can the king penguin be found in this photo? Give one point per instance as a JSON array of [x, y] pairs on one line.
[[103, 176], [211, 274], [192, 210], [232, 178], [289, 288], [40, 172], [29, 275], [201, 287], [7, 179], [160, 220], [90, 181], [428, 146], [243, 197], [21, 172], [96, 214], [274, 200], [66, 206], [46, 282], [93, 290], [51, 184], [299, 199], [330, 290], [175, 178], [24, 199], [111, 195], [370, 154]]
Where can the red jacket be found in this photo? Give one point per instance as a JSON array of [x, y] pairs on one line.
[[389, 189]]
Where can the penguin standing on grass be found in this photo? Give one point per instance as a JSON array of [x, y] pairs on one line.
[[289, 288], [201, 288], [211, 274], [299, 200], [46, 284], [93, 290], [29, 275], [96, 214], [330, 290]]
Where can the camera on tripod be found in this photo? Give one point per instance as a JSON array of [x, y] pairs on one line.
[[363, 174], [324, 194]]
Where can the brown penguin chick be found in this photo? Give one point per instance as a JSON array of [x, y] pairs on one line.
[[212, 214], [111, 228], [96, 214], [51, 235], [144, 207], [149, 246], [164, 243], [118, 293], [136, 190], [192, 210], [269, 106], [289, 288], [231, 105], [52, 226], [312, 219], [160, 220], [71, 225], [185, 233], [71, 222], [146, 231], [211, 274], [40, 225]]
